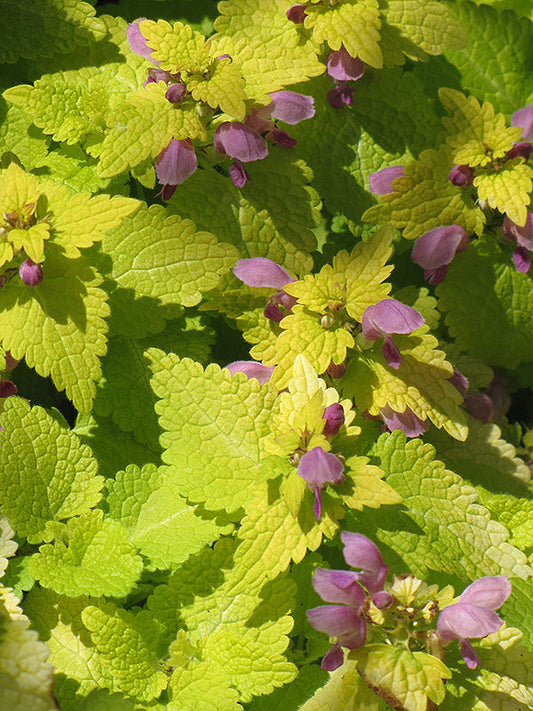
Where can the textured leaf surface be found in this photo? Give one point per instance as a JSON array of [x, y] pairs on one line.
[[424, 198], [90, 556], [344, 690], [493, 64], [274, 217], [19, 136], [8, 547], [55, 26], [499, 328], [516, 610], [25, 676], [201, 688], [167, 257], [46, 473], [445, 527], [212, 428], [508, 190], [160, 523], [58, 326]]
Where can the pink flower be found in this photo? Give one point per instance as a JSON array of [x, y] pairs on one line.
[[137, 41], [381, 181], [334, 416], [524, 241], [360, 552], [289, 107], [341, 95], [263, 272], [524, 119], [406, 421], [296, 14], [341, 66], [435, 249], [174, 165], [251, 369], [461, 175], [236, 140], [383, 319], [319, 468], [473, 616]]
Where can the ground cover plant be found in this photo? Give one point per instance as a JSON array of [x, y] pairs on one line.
[[266, 342]]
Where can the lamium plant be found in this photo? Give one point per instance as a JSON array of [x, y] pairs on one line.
[[266, 355]]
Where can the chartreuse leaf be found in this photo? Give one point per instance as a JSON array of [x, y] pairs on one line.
[[267, 46], [417, 28], [344, 690], [58, 326], [143, 125], [353, 23], [160, 522], [402, 678], [516, 514], [197, 688], [489, 306], [177, 47], [424, 198], [213, 425], [508, 190], [54, 26], [8, 547], [25, 676], [19, 136], [125, 643], [493, 65], [90, 556], [516, 611], [477, 135], [166, 257], [443, 526], [421, 383], [274, 217], [46, 474]]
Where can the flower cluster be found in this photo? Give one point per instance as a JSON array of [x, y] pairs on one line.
[[404, 612]]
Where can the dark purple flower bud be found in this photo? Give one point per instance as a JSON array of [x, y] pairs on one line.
[[10, 361], [334, 416], [251, 369], [239, 174], [405, 421], [459, 382], [175, 163], [341, 66], [480, 406], [167, 192], [461, 175], [435, 249], [273, 312], [176, 93], [336, 371], [296, 14], [339, 96], [281, 138], [289, 107], [333, 659], [7, 388], [382, 599], [381, 181], [524, 119], [319, 468], [137, 41], [522, 150], [360, 552], [500, 396], [261, 272], [339, 621], [473, 616], [386, 317], [31, 273], [236, 140], [522, 259]]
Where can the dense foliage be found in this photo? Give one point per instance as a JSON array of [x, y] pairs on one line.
[[266, 342]]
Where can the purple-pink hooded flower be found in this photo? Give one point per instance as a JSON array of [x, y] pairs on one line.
[[137, 41], [174, 165], [381, 181], [241, 143], [405, 421], [251, 369], [263, 272], [524, 241], [344, 619], [341, 66], [296, 14], [386, 317], [341, 95], [319, 468], [435, 249], [524, 119], [473, 616], [287, 106]]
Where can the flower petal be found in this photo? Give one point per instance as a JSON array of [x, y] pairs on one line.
[[389, 316], [334, 416], [490, 592], [238, 174], [471, 659], [439, 246], [381, 181], [260, 271], [343, 67], [176, 162], [524, 119], [319, 468], [137, 41], [339, 586], [466, 621], [339, 621], [251, 369], [289, 107], [406, 421], [333, 659], [360, 552], [238, 141]]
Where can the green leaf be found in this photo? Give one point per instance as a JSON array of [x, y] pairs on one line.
[[274, 217], [46, 474], [516, 610], [55, 26], [493, 65], [90, 556], [402, 678], [201, 687], [143, 125], [58, 326], [165, 529], [166, 257], [8, 547], [25, 676], [213, 425], [19, 136], [442, 526], [293, 696], [489, 306], [507, 190], [344, 690]]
